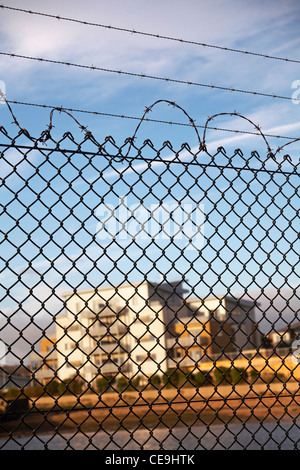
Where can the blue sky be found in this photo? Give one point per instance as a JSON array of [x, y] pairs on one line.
[[257, 26], [254, 26]]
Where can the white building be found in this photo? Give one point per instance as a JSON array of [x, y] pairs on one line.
[[143, 328], [110, 330]]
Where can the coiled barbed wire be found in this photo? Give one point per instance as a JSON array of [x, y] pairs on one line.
[[46, 134]]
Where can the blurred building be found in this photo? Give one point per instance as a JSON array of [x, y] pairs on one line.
[[208, 329], [285, 336], [43, 364], [14, 376], [142, 328]]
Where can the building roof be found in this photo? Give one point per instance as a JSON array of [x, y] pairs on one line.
[[169, 286], [222, 297], [16, 370], [289, 327], [103, 288]]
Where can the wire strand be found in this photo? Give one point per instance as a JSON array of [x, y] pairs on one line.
[[46, 134], [152, 77], [153, 35], [147, 119]]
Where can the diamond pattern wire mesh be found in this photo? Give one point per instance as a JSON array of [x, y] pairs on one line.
[[135, 290]]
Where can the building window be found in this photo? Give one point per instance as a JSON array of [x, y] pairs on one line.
[[145, 357], [178, 353], [170, 353], [96, 360], [105, 321], [204, 341], [148, 337], [99, 307], [141, 358], [147, 318], [34, 365], [74, 328], [195, 354], [108, 339], [235, 312], [78, 307], [73, 365]]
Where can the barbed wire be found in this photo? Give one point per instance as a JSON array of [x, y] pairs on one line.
[[271, 154], [151, 77], [153, 35], [147, 119], [174, 105], [46, 134], [211, 118], [202, 142]]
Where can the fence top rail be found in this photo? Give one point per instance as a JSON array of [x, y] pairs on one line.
[[236, 161]]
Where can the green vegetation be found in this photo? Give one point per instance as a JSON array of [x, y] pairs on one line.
[[52, 388], [254, 375], [238, 375], [104, 383], [231, 376], [222, 375], [70, 387], [155, 381], [200, 378], [173, 378]]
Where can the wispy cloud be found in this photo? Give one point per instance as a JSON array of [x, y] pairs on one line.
[[67, 41]]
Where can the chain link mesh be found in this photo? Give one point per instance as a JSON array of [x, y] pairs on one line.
[[147, 301]]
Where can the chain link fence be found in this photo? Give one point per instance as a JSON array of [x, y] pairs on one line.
[[148, 296]]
